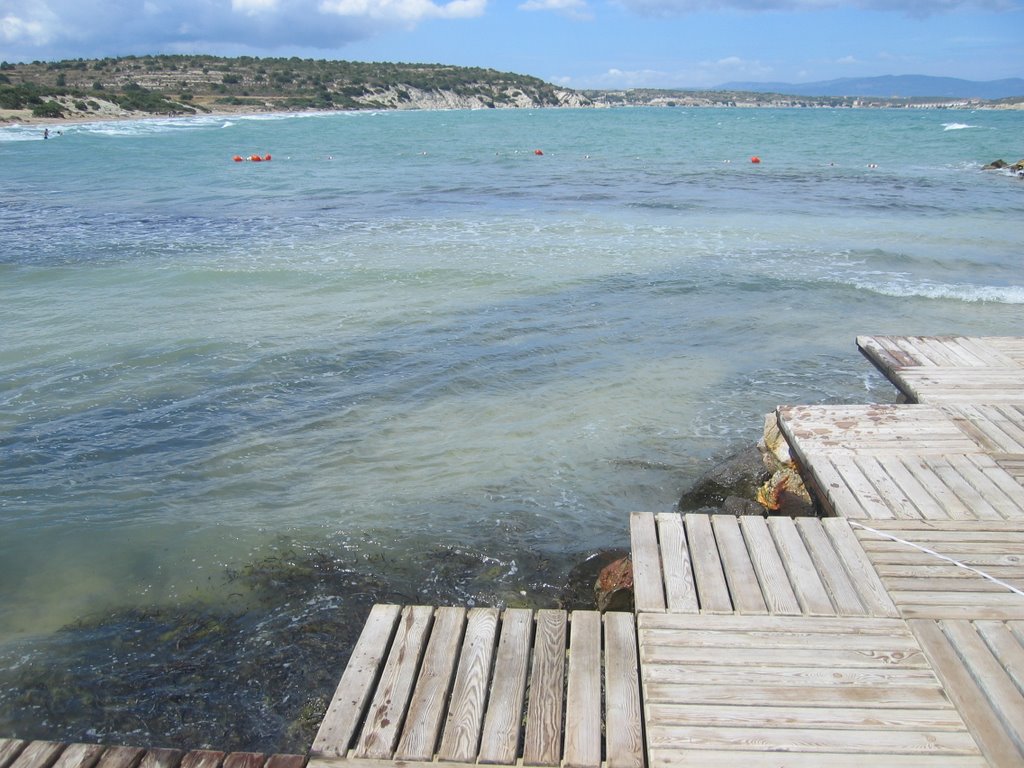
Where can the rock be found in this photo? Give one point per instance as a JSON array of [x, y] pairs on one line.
[[578, 594], [734, 505], [773, 445], [995, 165], [614, 587], [739, 475], [786, 494]]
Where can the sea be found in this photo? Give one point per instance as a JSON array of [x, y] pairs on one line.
[[420, 357]]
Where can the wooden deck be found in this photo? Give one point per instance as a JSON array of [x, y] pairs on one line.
[[17, 753], [890, 633]]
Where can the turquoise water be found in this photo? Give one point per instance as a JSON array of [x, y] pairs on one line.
[[410, 359]]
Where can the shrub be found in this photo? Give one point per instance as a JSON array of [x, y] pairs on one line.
[[48, 109]]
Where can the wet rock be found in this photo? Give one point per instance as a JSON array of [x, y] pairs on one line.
[[740, 475], [995, 165], [579, 588], [614, 587], [786, 494], [774, 448], [734, 505]]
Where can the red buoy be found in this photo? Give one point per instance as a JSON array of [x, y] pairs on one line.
[[537, 152], [266, 156], [237, 158], [755, 159], [255, 159]]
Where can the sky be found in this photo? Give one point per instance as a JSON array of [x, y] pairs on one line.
[[608, 44]]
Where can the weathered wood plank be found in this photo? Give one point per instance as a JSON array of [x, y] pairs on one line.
[[286, 761], [819, 696], [680, 590], [124, 757], [385, 716], [356, 685], [583, 697], [85, 756], [428, 705], [830, 568], [776, 590], [803, 575], [648, 594], [461, 739], [712, 588], [624, 743], [501, 735], [544, 714], [10, 749], [1006, 647], [244, 760], [38, 754], [159, 758], [969, 699], [744, 588], [203, 758], [869, 586], [731, 758], [838, 718]]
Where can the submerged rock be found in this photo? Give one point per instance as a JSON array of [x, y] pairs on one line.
[[614, 587], [580, 584], [738, 476], [995, 165]]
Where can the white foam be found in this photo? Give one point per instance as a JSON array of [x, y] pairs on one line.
[[956, 126], [982, 294]]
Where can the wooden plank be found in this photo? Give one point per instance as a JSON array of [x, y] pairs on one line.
[[87, 755], [789, 676], [776, 590], [680, 590], [9, 750], [990, 675], [544, 713], [818, 696], [244, 760], [384, 718], [872, 591], [810, 592], [744, 588], [123, 757], [160, 758], [830, 568], [1006, 647], [624, 743], [648, 594], [427, 707], [758, 715], [869, 741], [963, 691], [502, 725], [461, 739], [286, 761], [38, 754], [731, 758], [203, 758], [353, 692], [583, 697], [712, 589]]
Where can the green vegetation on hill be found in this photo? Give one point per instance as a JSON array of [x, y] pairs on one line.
[[184, 84]]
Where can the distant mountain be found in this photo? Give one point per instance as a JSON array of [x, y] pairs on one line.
[[892, 86]]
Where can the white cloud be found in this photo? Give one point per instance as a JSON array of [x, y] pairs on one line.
[[909, 7], [56, 29], [404, 11], [574, 9], [847, 60]]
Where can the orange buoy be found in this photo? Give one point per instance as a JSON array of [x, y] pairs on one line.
[[266, 156], [237, 158], [755, 159], [537, 152], [255, 159]]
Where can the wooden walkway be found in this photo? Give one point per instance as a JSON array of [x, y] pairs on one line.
[[17, 753], [889, 633]]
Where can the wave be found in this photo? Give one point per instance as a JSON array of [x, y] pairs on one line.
[[970, 294], [956, 126]]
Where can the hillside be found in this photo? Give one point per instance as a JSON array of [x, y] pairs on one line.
[[181, 85], [894, 87]]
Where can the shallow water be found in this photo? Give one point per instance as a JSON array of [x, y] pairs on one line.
[[410, 359]]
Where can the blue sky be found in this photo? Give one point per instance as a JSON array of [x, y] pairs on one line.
[[577, 43]]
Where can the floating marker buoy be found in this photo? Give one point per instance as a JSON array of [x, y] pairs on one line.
[[755, 159], [255, 159], [537, 152], [237, 158], [266, 157]]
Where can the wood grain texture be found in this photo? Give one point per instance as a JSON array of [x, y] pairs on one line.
[[543, 745]]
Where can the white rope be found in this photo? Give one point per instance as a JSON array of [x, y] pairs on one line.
[[957, 563]]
